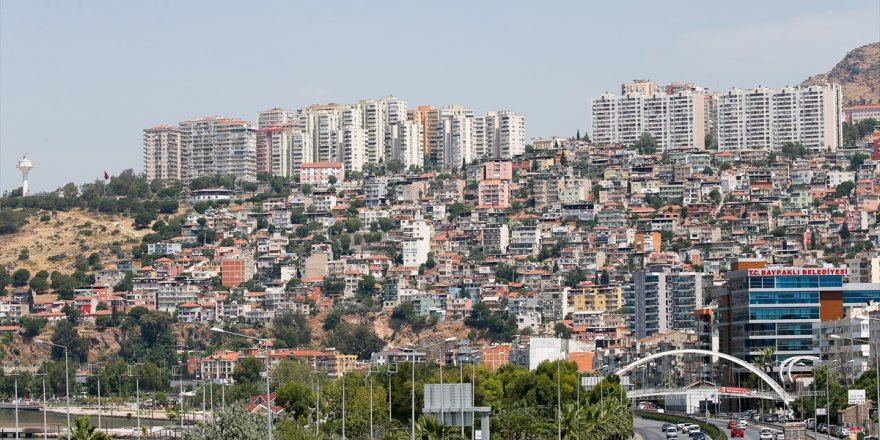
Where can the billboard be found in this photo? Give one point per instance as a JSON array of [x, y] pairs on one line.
[[773, 271], [856, 397]]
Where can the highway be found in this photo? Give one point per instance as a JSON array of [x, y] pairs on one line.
[[650, 430]]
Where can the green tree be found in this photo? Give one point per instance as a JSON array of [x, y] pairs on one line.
[[794, 150], [32, 326], [234, 422], [358, 339], [291, 330], [296, 398], [857, 160], [844, 189], [646, 144], [67, 335], [84, 430], [248, 371], [20, 278]]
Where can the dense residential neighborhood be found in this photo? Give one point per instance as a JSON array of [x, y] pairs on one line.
[[351, 237]]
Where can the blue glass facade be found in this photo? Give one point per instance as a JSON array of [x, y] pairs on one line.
[[782, 308]]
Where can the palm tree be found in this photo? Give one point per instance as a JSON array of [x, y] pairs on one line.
[[84, 430], [428, 428]]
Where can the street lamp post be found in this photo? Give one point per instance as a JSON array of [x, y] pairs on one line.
[[66, 378], [97, 367], [265, 343], [876, 351], [134, 370], [42, 372]]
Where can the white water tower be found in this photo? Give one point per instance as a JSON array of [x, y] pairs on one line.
[[24, 165]]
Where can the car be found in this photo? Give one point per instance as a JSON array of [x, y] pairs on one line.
[[842, 432], [742, 423], [737, 432], [681, 426], [693, 429], [731, 424], [771, 418], [699, 435], [779, 436], [823, 428], [666, 426], [766, 434], [671, 432]]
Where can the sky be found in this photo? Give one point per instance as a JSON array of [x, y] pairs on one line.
[[80, 80]]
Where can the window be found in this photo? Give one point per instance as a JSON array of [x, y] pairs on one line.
[[785, 313]]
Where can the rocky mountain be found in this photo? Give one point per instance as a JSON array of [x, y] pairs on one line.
[[858, 74]]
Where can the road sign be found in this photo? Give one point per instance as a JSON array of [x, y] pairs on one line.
[[821, 411], [856, 397]]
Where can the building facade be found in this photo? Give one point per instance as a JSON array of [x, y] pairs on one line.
[[783, 308], [163, 153]]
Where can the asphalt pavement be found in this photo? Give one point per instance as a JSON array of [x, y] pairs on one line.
[[650, 430]]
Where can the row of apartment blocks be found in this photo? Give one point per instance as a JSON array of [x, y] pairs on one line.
[[680, 116], [368, 132]]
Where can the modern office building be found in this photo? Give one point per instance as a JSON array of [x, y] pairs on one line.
[[665, 301], [783, 308], [163, 153], [219, 145]]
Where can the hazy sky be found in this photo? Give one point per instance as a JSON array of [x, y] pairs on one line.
[[80, 80]]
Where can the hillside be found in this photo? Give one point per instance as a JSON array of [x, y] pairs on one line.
[[858, 74], [53, 244]]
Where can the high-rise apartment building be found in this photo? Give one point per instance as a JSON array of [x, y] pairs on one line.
[[163, 153], [270, 119], [274, 151], [275, 117], [508, 135], [405, 141], [218, 145], [640, 86], [416, 241], [762, 118], [666, 301], [676, 121]]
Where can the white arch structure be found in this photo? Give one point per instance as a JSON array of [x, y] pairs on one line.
[[767, 379], [785, 366]]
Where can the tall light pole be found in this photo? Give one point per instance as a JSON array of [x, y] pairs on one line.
[[265, 343], [42, 372], [876, 350], [91, 371], [134, 370], [66, 378]]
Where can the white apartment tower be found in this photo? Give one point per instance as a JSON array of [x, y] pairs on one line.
[[458, 141], [676, 121], [406, 141], [353, 146], [604, 127], [764, 118], [270, 119], [218, 145], [275, 117], [504, 134], [163, 153], [416, 241]]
